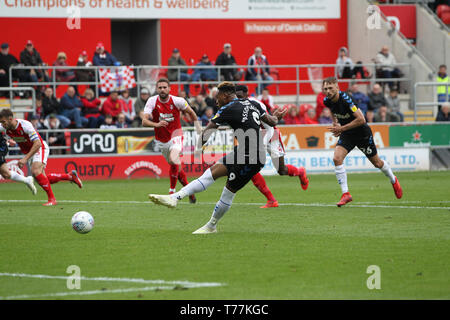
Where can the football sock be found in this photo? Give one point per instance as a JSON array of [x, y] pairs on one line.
[[173, 173], [196, 186], [55, 177], [260, 183], [341, 176], [292, 171], [17, 177], [386, 169], [182, 177], [42, 180], [222, 206]]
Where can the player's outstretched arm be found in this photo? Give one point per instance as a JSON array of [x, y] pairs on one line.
[[272, 120], [205, 134]]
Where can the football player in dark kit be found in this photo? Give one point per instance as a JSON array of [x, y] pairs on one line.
[[244, 117], [350, 126]]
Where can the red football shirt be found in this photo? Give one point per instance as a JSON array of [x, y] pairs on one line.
[[168, 111], [24, 135]]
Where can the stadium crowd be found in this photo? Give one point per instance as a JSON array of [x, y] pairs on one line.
[[118, 110]]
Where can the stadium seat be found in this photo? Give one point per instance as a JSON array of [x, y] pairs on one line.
[[446, 17], [441, 9], [60, 91]]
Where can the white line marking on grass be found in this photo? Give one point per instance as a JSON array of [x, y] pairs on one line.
[[163, 285], [82, 293], [361, 205]]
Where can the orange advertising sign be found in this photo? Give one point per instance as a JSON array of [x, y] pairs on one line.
[[318, 137]]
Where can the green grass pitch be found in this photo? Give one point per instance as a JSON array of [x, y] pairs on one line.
[[305, 249]]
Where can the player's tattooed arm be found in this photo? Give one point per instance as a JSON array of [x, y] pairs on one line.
[[36, 146], [272, 120], [147, 122], [206, 133]]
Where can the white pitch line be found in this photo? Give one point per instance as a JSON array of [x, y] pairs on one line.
[[82, 293], [129, 280], [164, 285], [354, 205]]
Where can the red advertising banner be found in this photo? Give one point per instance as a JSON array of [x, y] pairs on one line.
[[403, 17], [119, 167]]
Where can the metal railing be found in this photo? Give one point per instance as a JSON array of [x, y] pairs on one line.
[[10, 90], [435, 101], [154, 72]]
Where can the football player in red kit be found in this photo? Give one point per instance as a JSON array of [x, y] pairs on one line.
[[36, 153], [162, 112]]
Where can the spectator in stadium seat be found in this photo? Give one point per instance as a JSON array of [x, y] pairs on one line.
[[310, 116], [84, 75], [139, 105], [121, 121], [36, 122], [91, 109], [6, 61], [442, 90], [227, 59], [393, 103], [103, 57], [444, 113], [63, 74], [376, 98], [198, 104], [51, 105], [203, 73], [128, 107], [182, 72], [209, 113], [325, 117], [344, 64], [261, 73], [386, 63], [211, 100], [360, 99], [54, 138], [31, 57], [109, 123], [71, 108], [292, 117], [369, 116], [113, 105], [267, 99], [383, 115]]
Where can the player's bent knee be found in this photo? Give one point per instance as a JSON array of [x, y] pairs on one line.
[[338, 161]]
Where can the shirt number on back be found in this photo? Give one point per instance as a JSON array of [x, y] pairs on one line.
[[256, 118]]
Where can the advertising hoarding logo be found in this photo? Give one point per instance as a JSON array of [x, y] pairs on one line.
[[94, 143]]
